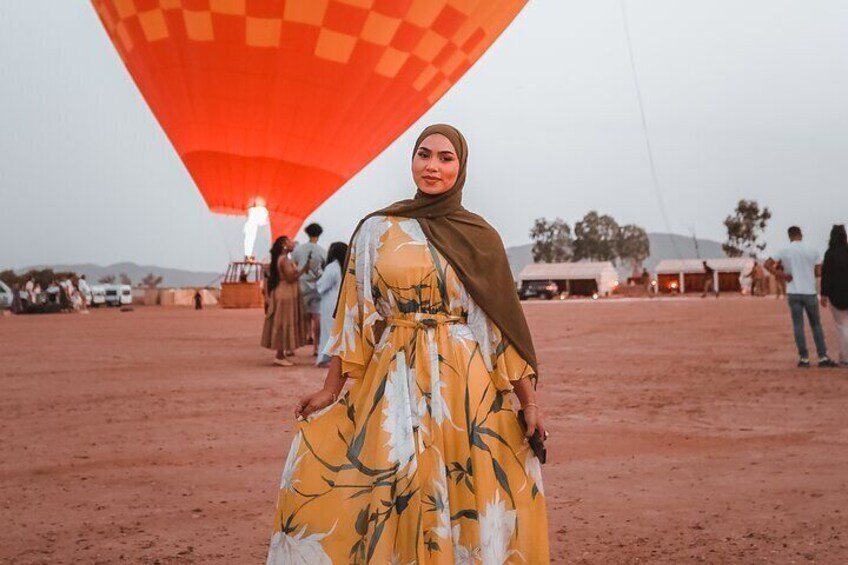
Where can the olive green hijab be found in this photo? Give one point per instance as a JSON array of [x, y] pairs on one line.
[[471, 246]]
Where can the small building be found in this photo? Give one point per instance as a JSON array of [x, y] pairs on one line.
[[688, 275], [576, 279]]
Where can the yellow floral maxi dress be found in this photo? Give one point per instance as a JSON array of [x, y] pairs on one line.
[[422, 461]]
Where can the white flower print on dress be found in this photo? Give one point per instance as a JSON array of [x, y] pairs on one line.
[[534, 469], [497, 524], [397, 414], [438, 406], [345, 342], [396, 560], [298, 550], [463, 555], [413, 229], [287, 482], [442, 503], [366, 246]]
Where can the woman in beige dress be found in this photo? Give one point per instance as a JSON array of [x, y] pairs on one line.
[[284, 330]]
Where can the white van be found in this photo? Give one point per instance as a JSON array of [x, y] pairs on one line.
[[125, 293], [113, 297], [98, 295], [5, 296]]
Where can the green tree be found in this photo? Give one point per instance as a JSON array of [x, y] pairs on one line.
[[551, 241], [595, 237], [125, 279], [633, 245], [151, 281], [745, 229], [107, 279], [10, 278]]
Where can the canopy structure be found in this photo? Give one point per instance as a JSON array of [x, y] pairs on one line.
[[688, 275], [575, 278], [278, 103], [722, 265]]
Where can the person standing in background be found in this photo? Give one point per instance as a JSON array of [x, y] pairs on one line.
[[834, 286], [645, 280], [283, 330], [757, 277], [328, 288], [85, 292], [801, 266], [309, 258], [30, 290], [709, 284], [779, 282], [17, 305]]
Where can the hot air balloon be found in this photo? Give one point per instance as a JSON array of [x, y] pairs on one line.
[[277, 103]]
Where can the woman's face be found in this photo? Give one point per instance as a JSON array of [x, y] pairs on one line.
[[435, 165]]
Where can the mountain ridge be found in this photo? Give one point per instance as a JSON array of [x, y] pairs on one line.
[[663, 246]]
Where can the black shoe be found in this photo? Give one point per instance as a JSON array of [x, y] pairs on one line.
[[827, 363], [804, 363]]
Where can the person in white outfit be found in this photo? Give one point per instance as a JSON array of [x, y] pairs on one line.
[[85, 292], [328, 289]]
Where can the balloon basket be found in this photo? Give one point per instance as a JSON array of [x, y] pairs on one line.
[[243, 285]]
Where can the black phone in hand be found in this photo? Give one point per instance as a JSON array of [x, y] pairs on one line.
[[536, 443]]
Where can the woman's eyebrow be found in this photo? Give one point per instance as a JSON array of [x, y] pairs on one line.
[[445, 152]]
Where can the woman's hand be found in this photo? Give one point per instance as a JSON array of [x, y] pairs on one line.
[[314, 402], [534, 420]]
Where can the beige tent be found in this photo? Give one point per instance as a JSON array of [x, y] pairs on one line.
[[688, 275], [584, 278], [178, 297]]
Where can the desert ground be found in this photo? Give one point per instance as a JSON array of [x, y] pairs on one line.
[[681, 432]]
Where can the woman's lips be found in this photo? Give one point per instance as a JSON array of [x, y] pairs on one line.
[[431, 179]]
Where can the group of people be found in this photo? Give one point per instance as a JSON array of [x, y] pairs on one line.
[[301, 288], [422, 458], [798, 265], [69, 295]]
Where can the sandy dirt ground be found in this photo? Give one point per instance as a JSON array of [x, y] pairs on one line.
[[681, 432]]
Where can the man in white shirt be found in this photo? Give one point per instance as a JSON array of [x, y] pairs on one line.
[[312, 253], [85, 292], [801, 265]]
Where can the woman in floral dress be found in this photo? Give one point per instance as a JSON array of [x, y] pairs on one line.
[[422, 460]]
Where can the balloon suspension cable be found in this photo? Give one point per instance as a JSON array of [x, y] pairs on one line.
[[216, 224], [654, 178], [695, 241]]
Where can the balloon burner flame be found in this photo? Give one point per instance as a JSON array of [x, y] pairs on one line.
[[257, 216]]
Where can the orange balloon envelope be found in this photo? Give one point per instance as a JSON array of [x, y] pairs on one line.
[[280, 102]]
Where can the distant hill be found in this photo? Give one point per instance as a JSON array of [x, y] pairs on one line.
[[170, 277], [663, 246]]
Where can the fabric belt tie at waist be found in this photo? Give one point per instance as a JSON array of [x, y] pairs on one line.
[[426, 322]]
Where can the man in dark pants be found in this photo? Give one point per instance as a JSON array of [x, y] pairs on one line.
[[801, 265]]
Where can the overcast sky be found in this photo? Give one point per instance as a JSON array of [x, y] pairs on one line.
[[742, 99]]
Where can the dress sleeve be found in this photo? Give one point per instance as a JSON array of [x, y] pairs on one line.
[[508, 365], [504, 363], [352, 335]]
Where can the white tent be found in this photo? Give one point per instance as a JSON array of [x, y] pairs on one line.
[[602, 272], [737, 266], [721, 265]]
